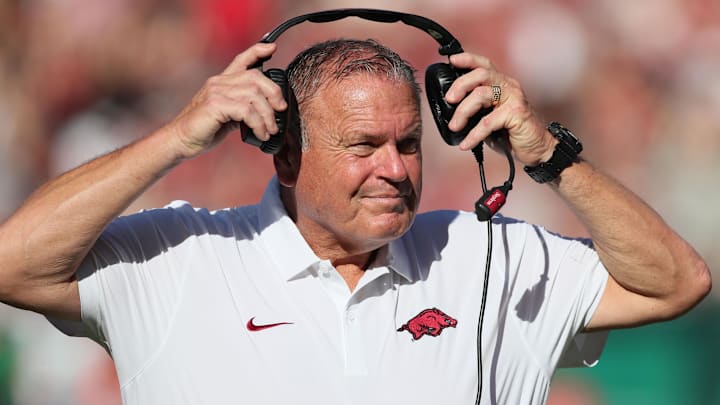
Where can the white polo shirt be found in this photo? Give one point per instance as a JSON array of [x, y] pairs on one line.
[[233, 307]]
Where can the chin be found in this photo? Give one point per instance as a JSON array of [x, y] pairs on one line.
[[392, 228]]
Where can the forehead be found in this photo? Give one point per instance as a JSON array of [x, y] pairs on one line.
[[364, 102]]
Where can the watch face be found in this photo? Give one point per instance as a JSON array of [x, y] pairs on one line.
[[566, 136]]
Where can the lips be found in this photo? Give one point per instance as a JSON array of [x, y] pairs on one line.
[[400, 197], [386, 196], [389, 203], [391, 193]]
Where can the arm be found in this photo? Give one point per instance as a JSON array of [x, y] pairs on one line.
[[44, 242], [654, 274]]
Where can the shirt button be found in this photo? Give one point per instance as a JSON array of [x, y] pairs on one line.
[[350, 316]]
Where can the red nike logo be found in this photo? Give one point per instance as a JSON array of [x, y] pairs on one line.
[[252, 327]]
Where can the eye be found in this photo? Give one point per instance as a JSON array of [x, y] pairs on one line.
[[409, 146], [362, 148]]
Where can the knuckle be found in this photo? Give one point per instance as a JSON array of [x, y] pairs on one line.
[[255, 74], [461, 111], [252, 87], [276, 92], [244, 109], [478, 92], [485, 123], [485, 61]]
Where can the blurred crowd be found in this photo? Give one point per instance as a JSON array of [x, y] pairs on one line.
[[638, 81]]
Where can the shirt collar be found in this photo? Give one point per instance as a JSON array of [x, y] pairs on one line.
[[395, 257], [293, 256], [287, 247]]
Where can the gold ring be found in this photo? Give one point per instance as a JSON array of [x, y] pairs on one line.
[[496, 93]]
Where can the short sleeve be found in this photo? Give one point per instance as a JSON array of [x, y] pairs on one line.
[[560, 283], [130, 282]]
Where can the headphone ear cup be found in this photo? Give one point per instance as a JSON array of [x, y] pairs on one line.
[[438, 79], [272, 145]]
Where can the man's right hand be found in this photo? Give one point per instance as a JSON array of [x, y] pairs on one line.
[[238, 94]]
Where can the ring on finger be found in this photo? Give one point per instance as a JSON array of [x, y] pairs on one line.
[[496, 93]]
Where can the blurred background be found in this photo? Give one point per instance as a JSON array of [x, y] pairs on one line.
[[638, 81]]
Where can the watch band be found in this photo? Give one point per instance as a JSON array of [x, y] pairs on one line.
[[565, 154]]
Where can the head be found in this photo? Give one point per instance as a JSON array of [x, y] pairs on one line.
[[350, 170]]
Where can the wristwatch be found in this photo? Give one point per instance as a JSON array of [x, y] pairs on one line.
[[565, 154]]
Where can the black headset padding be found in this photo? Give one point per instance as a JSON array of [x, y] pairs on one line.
[[438, 79], [274, 144]]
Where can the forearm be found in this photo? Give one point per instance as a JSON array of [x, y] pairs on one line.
[[43, 243], [640, 251]]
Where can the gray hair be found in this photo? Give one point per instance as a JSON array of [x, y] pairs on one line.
[[334, 61]]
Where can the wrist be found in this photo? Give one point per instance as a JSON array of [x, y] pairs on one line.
[[562, 155], [177, 143]]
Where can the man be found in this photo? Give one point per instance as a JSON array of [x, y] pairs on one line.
[[331, 290]]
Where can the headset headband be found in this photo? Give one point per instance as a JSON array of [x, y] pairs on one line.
[[448, 44]]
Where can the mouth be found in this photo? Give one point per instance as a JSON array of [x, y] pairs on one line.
[[390, 202], [386, 197]]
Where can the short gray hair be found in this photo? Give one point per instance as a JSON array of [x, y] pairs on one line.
[[334, 61]]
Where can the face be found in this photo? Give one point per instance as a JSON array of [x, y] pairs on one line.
[[359, 182]]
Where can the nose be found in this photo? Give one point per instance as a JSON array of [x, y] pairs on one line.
[[392, 165]]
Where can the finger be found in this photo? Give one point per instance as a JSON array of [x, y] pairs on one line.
[[271, 91], [481, 72], [467, 83], [250, 56], [487, 125], [252, 87], [468, 60], [479, 98], [266, 112], [248, 114]]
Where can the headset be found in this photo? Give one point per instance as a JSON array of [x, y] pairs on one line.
[[438, 79]]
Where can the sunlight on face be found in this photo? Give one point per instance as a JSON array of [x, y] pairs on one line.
[[359, 182]]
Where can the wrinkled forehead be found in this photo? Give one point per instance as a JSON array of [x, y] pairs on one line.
[[367, 106], [361, 91]]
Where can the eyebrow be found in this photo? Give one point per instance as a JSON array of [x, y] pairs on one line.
[[416, 133]]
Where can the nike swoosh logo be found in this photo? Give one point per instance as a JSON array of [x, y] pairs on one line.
[[253, 327]]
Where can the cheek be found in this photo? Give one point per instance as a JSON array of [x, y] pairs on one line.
[[331, 183], [349, 175], [414, 167]]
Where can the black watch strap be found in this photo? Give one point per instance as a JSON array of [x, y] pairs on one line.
[[565, 154]]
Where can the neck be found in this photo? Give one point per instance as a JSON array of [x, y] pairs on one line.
[[349, 263], [351, 269]]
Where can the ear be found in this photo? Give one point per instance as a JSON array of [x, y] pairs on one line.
[[287, 161]]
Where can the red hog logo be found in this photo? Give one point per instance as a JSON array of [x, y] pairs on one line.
[[428, 322]]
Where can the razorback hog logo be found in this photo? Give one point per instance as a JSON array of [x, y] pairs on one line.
[[428, 322]]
